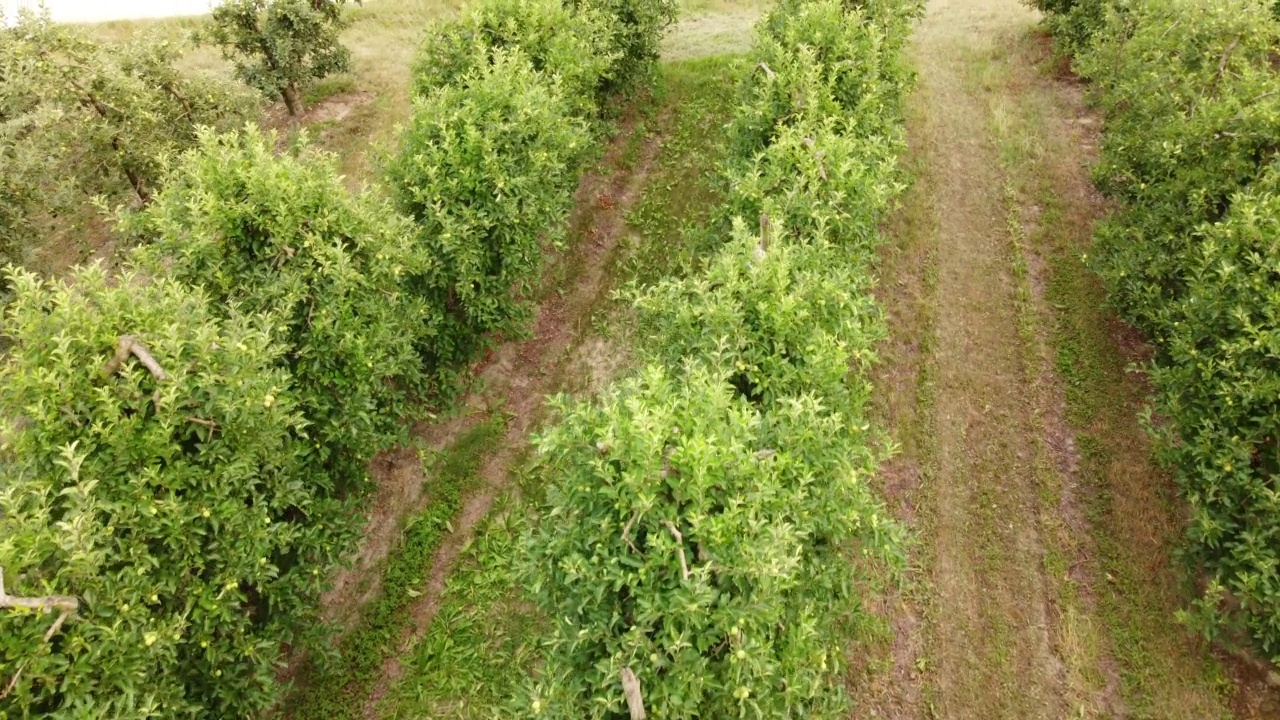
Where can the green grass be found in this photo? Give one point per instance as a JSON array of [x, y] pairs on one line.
[[1133, 515], [675, 221], [484, 641], [334, 688]]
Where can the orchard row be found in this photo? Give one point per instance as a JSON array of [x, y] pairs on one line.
[[1191, 256], [705, 516], [186, 441]]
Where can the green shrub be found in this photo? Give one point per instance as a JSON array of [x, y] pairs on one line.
[[700, 545], [778, 322], [573, 48], [818, 60], [1193, 114], [787, 86], [278, 46], [858, 50], [1075, 23], [486, 169], [700, 516], [636, 28], [336, 272], [171, 507], [1218, 393], [820, 180], [1192, 103]]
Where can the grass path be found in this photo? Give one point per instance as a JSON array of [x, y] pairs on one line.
[[1044, 585]]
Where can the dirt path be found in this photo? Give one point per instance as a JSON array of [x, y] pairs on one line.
[[524, 374], [991, 643], [1043, 585]]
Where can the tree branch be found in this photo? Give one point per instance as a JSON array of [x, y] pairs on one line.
[[201, 421], [1222, 64], [65, 603], [684, 564], [626, 531], [631, 689], [130, 345]]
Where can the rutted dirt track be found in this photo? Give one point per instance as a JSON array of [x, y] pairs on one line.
[[1042, 586], [523, 374], [989, 633]]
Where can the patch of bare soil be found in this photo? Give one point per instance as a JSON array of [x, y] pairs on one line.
[[332, 110], [337, 108], [523, 374]]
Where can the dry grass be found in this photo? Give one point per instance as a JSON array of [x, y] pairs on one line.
[[1045, 586]]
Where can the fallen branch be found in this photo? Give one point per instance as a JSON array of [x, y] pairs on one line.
[[631, 689], [772, 75], [129, 345], [684, 564]]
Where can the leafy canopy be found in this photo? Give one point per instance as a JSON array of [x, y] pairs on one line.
[[171, 505], [281, 236], [279, 46]]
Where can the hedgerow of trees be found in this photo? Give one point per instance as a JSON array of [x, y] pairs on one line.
[[1191, 96], [694, 547], [280, 237], [486, 170], [575, 49], [186, 441], [150, 471]]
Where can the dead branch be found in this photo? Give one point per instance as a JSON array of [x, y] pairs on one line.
[[129, 345], [631, 689], [772, 75], [684, 564]]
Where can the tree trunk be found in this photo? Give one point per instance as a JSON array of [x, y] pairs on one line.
[[292, 99]]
